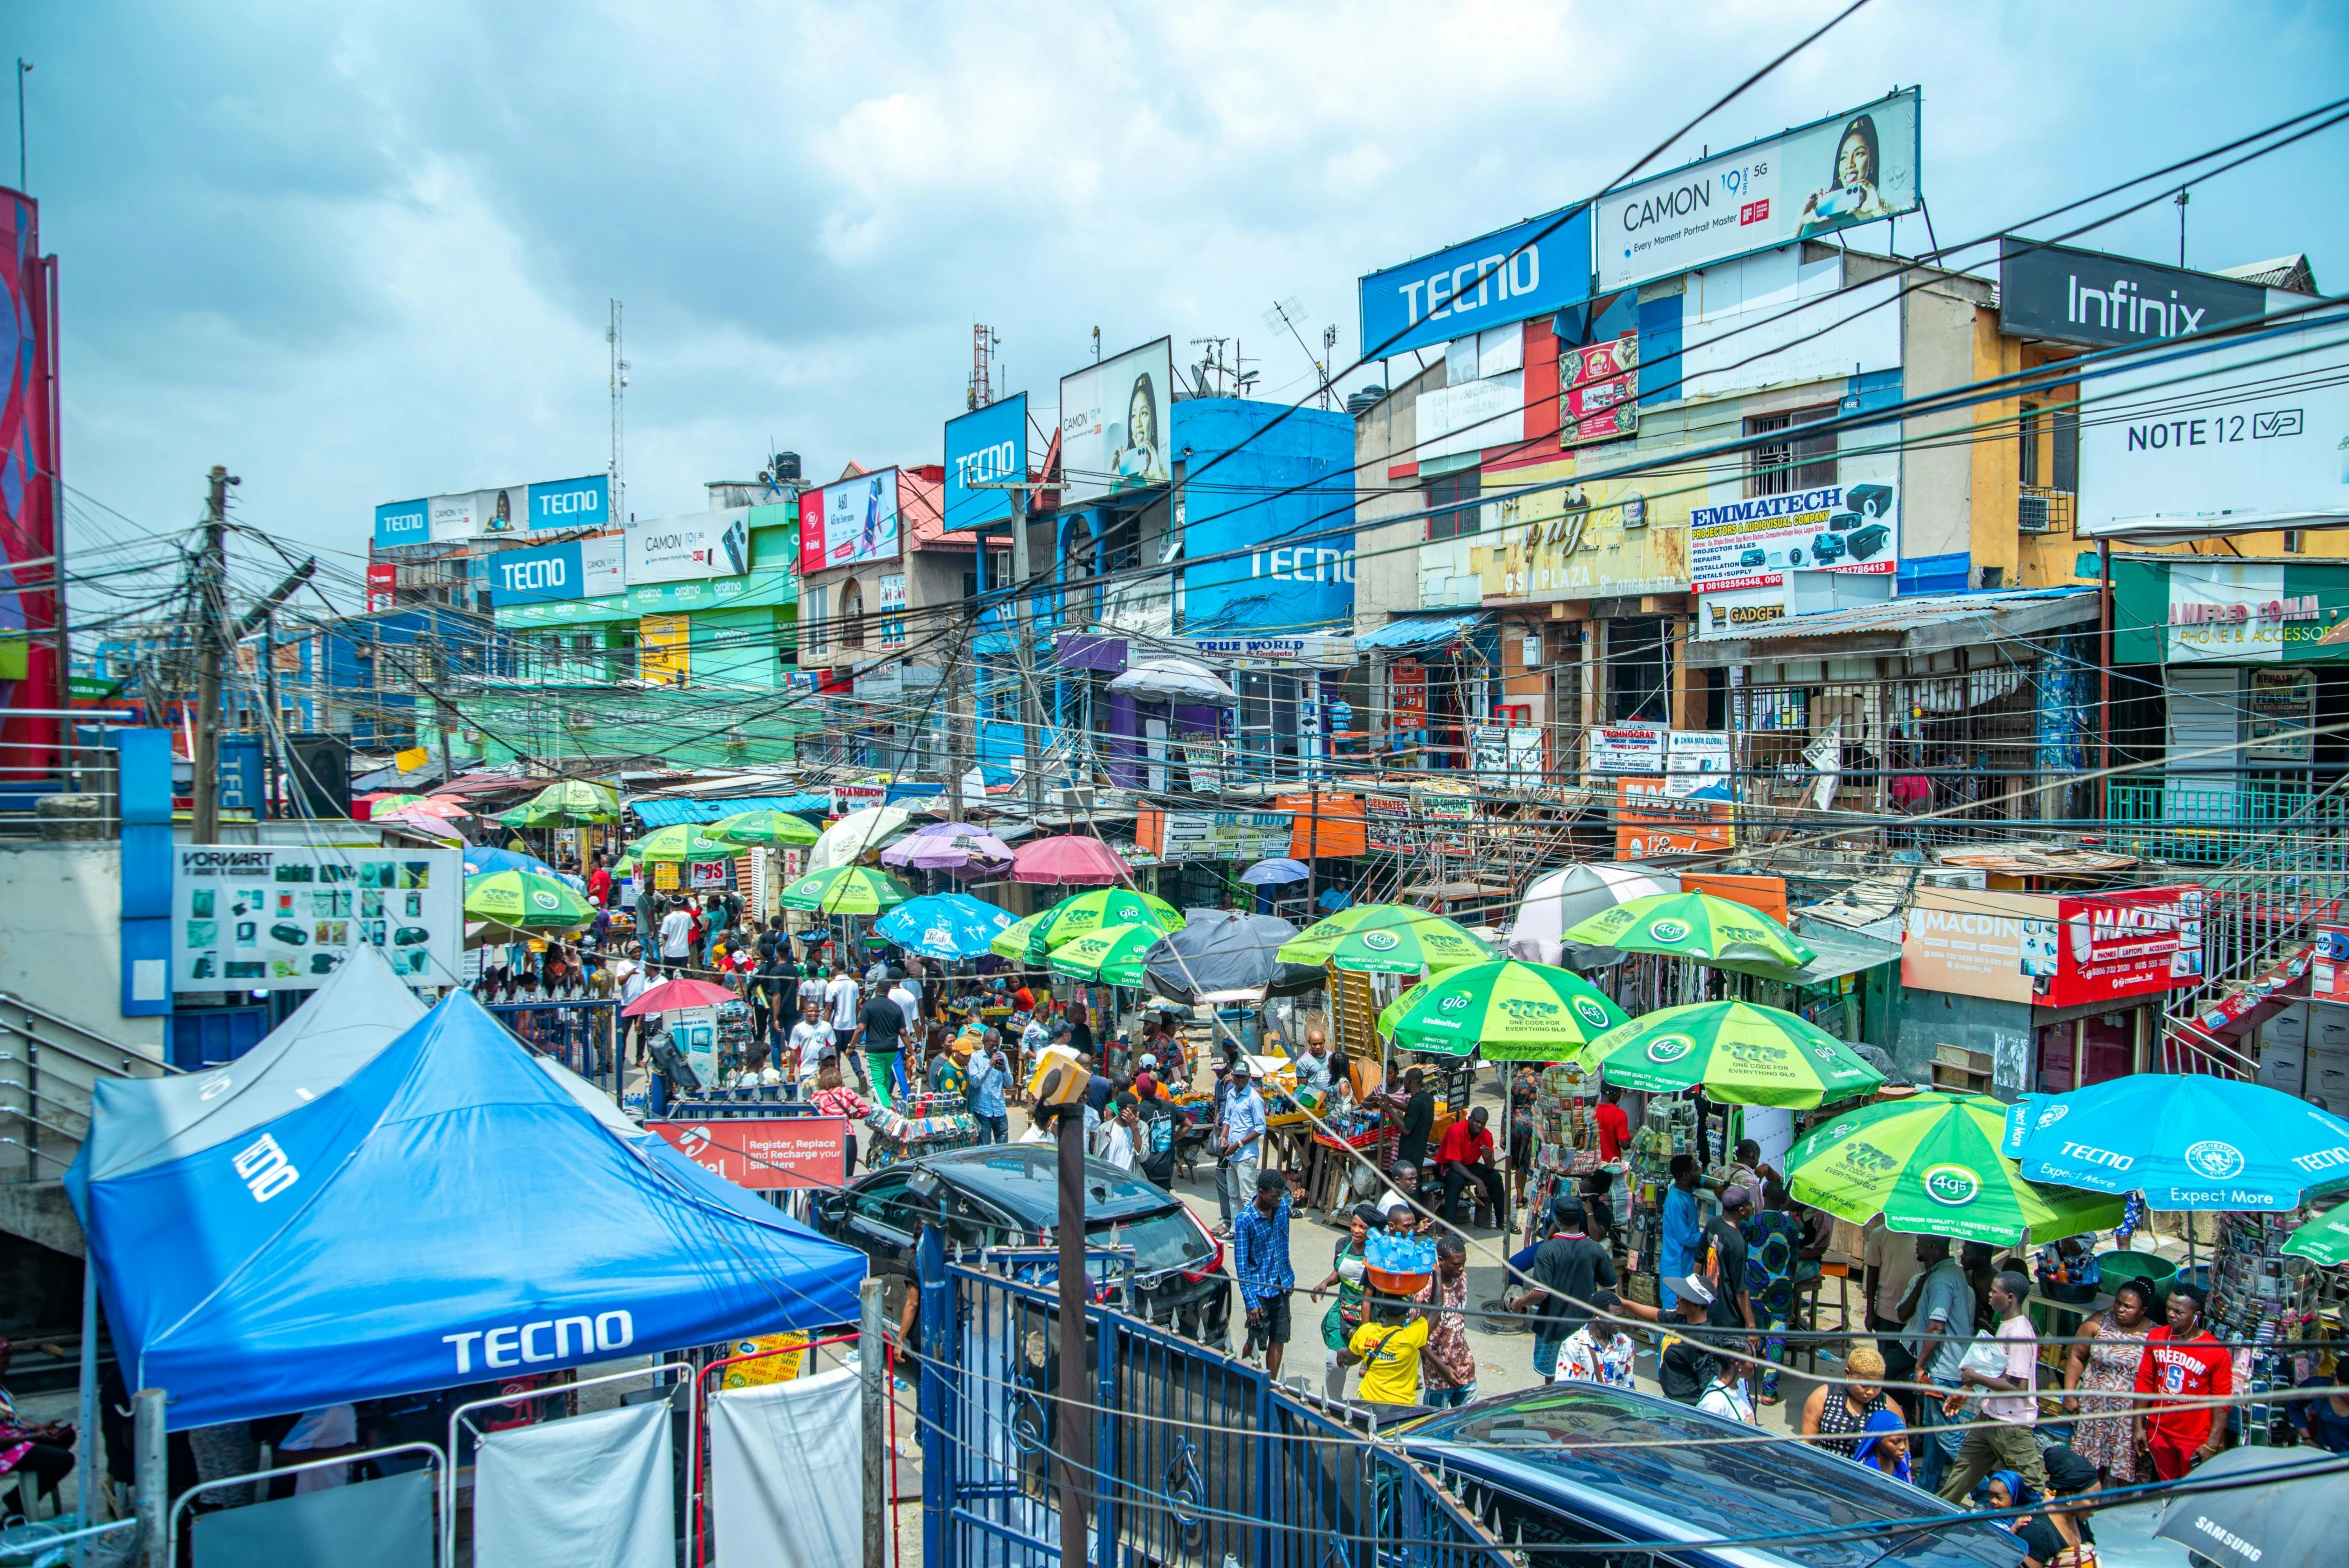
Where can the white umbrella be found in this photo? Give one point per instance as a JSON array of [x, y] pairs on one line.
[[1173, 679], [844, 843], [1570, 895]]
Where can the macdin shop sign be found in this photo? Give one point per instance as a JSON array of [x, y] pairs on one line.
[[2046, 950]]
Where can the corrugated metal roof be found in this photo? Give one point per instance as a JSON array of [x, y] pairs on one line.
[[668, 813], [1420, 633], [1900, 615]]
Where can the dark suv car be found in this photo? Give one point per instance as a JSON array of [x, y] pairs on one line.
[[1008, 1195]]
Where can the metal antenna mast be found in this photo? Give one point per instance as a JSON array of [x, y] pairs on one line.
[[619, 463]]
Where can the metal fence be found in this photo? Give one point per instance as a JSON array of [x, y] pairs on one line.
[[582, 1034], [1197, 1459]]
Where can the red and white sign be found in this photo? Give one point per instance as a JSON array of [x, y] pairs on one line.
[[769, 1154], [2137, 943], [383, 581]]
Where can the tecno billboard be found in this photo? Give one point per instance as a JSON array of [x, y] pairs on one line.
[[1534, 268], [984, 446], [1113, 424], [550, 574], [508, 509], [1860, 166], [850, 521]]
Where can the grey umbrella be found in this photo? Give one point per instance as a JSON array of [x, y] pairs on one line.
[[1222, 950], [2277, 1515]]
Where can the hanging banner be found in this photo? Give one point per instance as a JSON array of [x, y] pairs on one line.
[[1628, 748], [267, 919], [1684, 814]]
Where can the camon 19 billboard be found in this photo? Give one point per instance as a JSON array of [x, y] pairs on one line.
[[1508, 275], [1857, 167], [1113, 424], [985, 446], [508, 509]]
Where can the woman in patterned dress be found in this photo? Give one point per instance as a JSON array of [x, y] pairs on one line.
[[2102, 1366]]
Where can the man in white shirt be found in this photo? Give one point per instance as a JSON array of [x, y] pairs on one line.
[[842, 999], [676, 939], [809, 1037], [908, 997], [1117, 1136]]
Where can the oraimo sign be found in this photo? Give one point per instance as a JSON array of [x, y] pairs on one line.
[[2085, 296]]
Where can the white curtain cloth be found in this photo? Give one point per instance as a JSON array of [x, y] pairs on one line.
[[590, 1491], [787, 1474]]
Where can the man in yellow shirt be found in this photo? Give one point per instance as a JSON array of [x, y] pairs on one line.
[[1387, 1348]]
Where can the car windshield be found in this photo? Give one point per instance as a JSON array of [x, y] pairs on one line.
[[1161, 1241], [1597, 1440]]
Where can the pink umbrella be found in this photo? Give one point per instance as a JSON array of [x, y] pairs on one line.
[[420, 821], [1069, 858], [671, 995], [440, 806], [950, 846]]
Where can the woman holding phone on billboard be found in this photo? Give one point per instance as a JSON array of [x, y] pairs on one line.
[[1853, 197], [1139, 462]]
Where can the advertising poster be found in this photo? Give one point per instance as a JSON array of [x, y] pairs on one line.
[[1697, 751], [2281, 710], [1598, 535], [1682, 814], [664, 648], [1507, 275], [1387, 823], [403, 522], [850, 521], [690, 546], [1203, 761], [572, 503], [889, 631], [1857, 167], [1849, 527], [574, 569], [1214, 835], [250, 918], [2086, 296], [383, 583], [1598, 397], [1113, 424], [1407, 693], [986, 444], [1628, 749]]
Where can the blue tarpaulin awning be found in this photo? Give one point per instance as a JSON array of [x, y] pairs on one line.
[[668, 813], [456, 1211], [1420, 631]]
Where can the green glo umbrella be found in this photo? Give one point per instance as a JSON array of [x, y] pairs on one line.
[[1741, 1053], [1517, 1012], [1695, 925], [1103, 907], [846, 890], [1112, 955], [1930, 1165], [1015, 940], [579, 801], [775, 829], [682, 842], [1390, 939], [2324, 1239], [526, 900]]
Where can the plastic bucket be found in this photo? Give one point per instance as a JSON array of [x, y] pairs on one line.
[[2154, 1269]]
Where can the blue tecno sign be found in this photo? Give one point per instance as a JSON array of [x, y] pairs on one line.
[[402, 522], [988, 444], [539, 576], [1505, 276], [572, 503]]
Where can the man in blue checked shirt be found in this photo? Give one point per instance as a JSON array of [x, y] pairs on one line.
[[987, 1077], [1260, 1257]]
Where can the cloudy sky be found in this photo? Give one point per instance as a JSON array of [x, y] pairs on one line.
[[363, 252]]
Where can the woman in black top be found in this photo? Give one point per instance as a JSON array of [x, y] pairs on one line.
[[1418, 1121]]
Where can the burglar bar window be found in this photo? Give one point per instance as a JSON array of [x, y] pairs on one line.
[[1792, 462], [2028, 433], [1446, 489]]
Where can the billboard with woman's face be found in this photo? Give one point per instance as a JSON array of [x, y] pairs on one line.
[[1113, 424]]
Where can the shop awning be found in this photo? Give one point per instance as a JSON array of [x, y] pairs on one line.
[[1419, 632], [1923, 623]]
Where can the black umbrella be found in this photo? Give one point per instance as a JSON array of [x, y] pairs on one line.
[[1224, 950], [2273, 1515]]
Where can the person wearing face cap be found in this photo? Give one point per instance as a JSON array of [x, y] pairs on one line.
[[1686, 1363], [1240, 1137]]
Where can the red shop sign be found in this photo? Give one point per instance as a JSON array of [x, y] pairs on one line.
[[2138, 943], [768, 1154]]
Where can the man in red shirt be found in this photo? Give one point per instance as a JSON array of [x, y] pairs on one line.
[[1465, 1158], [599, 881], [1613, 1126], [2183, 1361]]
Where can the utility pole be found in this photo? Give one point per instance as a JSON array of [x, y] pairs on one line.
[[2181, 200], [618, 471], [211, 595], [264, 615]]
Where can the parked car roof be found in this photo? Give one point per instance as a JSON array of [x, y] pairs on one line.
[[1023, 1179], [1570, 1445]]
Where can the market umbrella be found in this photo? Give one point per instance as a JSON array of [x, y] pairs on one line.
[[481, 858], [2187, 1141], [681, 842], [1082, 914], [845, 890], [1018, 941], [1071, 857], [1219, 952], [1517, 1012], [773, 829], [670, 995], [420, 822], [2282, 1506], [1930, 1165], [526, 900], [1271, 873], [1392, 939], [850, 839], [568, 800], [1740, 1052], [1694, 925], [1112, 955], [943, 925], [1568, 896], [2324, 1239], [950, 846]]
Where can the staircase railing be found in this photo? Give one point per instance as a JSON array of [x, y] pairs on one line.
[[50, 1067]]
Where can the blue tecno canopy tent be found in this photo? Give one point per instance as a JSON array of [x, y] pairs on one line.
[[456, 1211]]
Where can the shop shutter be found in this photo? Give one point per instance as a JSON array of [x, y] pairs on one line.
[[2205, 712]]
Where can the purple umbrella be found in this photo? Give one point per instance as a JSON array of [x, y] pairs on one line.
[[950, 846]]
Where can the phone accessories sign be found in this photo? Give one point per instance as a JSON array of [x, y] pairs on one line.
[[261, 919]]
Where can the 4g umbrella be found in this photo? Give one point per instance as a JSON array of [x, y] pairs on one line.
[[1517, 1012], [1085, 913], [773, 829], [1930, 1165], [526, 901], [681, 842], [845, 890], [1113, 956], [2187, 1141], [1018, 941], [1741, 1053], [1695, 925], [1389, 939]]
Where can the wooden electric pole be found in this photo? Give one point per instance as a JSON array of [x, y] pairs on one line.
[[211, 608]]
